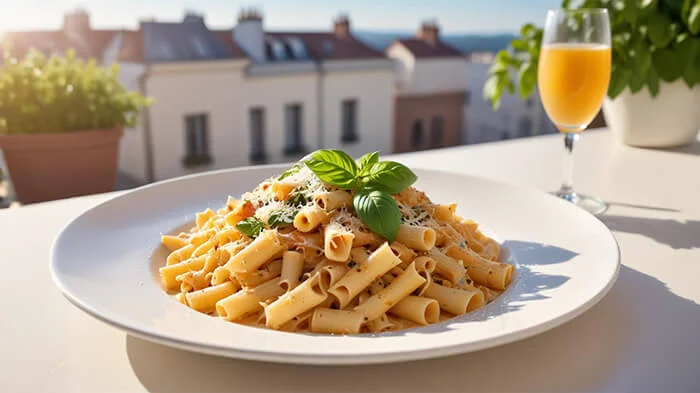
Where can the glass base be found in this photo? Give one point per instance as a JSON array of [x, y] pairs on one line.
[[590, 204]]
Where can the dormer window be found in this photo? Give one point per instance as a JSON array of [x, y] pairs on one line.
[[297, 48]]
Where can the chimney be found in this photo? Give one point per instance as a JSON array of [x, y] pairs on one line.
[[249, 34], [429, 32], [193, 17], [341, 26], [76, 24]]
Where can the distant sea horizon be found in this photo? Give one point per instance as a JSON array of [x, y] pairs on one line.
[[464, 42]]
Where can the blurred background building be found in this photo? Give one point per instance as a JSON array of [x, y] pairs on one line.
[[247, 95]]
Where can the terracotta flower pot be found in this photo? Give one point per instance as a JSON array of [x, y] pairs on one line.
[[44, 167]]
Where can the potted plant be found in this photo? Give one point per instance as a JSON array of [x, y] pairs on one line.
[[654, 94], [61, 120]]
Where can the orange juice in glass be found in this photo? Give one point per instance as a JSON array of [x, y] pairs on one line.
[[572, 78]]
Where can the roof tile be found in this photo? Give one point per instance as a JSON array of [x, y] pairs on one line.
[[422, 49]]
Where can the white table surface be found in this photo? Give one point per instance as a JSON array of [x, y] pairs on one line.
[[644, 336]]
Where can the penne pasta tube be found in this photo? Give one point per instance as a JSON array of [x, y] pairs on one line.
[[254, 255], [326, 320], [359, 277], [337, 242], [489, 294], [493, 274], [169, 273], [453, 300], [416, 237], [404, 253], [247, 302], [179, 255], [418, 309], [299, 323], [364, 237], [447, 266], [359, 255], [292, 268], [203, 217], [381, 324], [304, 297], [445, 212], [333, 200], [402, 286], [282, 190], [265, 273], [205, 299], [309, 218], [173, 243]]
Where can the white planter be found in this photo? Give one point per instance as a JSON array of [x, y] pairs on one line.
[[672, 118]]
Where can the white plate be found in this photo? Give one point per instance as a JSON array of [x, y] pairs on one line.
[[106, 261]]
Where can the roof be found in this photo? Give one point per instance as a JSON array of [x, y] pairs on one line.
[[337, 48], [226, 38], [190, 40], [421, 49], [187, 41], [131, 49], [55, 41]]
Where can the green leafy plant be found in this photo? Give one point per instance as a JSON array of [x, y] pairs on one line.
[[652, 41], [251, 227], [63, 94], [372, 183]]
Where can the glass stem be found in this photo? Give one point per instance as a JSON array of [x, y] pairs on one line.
[[567, 185]]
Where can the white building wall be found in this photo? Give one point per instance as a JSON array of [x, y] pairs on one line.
[[485, 125], [132, 151], [432, 76], [227, 92], [427, 76], [404, 64], [212, 88], [373, 91]]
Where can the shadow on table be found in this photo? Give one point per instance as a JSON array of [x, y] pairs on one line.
[[692, 149], [674, 233], [641, 337], [643, 207]]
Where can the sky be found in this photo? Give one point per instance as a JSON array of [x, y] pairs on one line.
[[454, 16]]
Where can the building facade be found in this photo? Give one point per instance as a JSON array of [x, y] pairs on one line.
[[429, 92], [236, 97], [515, 118]]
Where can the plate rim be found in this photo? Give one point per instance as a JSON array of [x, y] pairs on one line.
[[330, 359]]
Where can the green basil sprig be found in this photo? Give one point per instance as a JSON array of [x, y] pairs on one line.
[[251, 227], [372, 181]]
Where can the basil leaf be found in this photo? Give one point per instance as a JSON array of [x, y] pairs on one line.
[[297, 199], [365, 162], [251, 227], [277, 220], [389, 176], [379, 212], [289, 172], [334, 167]]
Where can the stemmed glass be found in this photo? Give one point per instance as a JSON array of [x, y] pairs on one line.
[[573, 77]]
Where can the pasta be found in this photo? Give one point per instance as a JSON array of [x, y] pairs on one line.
[[294, 255]]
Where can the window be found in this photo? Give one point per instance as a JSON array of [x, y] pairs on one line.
[[349, 119], [524, 126], [257, 136], [293, 143], [436, 131], [196, 140], [417, 134]]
